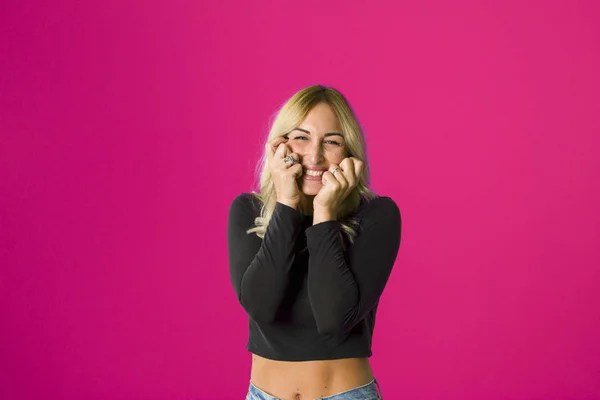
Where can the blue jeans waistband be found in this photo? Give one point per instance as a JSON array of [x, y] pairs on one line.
[[370, 391]]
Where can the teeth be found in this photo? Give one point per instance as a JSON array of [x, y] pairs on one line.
[[313, 173]]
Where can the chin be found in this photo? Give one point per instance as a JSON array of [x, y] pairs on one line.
[[311, 188]]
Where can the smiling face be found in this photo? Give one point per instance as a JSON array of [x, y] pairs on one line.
[[319, 142]]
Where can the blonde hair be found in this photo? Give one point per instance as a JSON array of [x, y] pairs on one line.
[[289, 117]]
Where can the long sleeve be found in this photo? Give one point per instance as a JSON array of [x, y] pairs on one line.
[[259, 268], [344, 286]]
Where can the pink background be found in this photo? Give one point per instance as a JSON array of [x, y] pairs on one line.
[[127, 127]]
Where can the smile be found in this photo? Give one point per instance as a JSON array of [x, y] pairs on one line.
[[311, 172]]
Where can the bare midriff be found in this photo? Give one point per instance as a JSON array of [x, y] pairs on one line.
[[308, 380]]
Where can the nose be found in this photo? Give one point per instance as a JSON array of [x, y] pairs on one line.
[[314, 153]]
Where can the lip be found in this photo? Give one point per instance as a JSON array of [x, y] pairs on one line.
[[313, 178], [312, 168]]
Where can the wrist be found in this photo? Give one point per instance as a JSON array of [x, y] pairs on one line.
[[289, 203], [322, 215]]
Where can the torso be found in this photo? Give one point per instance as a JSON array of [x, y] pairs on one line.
[[308, 380], [292, 333]]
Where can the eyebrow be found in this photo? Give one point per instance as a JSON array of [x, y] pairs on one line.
[[325, 135]]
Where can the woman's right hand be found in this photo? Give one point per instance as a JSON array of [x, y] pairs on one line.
[[284, 172]]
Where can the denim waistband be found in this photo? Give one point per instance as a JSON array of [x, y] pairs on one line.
[[370, 391]]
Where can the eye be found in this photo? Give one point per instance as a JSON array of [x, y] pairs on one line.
[[300, 138], [333, 142]]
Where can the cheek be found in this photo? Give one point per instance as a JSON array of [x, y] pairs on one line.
[[296, 147], [336, 156]]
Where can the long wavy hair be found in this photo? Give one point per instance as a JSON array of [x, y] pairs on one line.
[[290, 116]]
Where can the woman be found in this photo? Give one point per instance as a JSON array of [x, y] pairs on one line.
[[311, 253]]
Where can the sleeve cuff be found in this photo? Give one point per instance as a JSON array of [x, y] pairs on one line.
[[321, 230], [286, 212]]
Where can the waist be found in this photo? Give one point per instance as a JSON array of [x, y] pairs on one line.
[[287, 342], [309, 379]]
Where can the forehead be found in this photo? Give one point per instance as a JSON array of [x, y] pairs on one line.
[[321, 119]]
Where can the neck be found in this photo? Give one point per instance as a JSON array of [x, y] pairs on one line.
[[306, 204]]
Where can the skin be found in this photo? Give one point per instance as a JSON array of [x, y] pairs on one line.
[[317, 143]]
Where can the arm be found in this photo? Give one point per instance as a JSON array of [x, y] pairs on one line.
[[259, 268], [344, 287]]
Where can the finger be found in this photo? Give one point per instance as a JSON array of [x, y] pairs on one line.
[[358, 168], [330, 180], [347, 166], [270, 152], [347, 163], [327, 178], [276, 141], [271, 146], [294, 157], [281, 151], [296, 170], [338, 174]]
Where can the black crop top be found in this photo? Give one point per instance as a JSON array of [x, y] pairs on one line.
[[306, 297]]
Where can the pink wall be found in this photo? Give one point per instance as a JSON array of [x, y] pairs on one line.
[[127, 127]]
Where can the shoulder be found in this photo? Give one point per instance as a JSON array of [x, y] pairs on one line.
[[379, 204], [380, 209], [246, 203]]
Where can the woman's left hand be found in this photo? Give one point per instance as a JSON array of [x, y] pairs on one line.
[[338, 183]]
